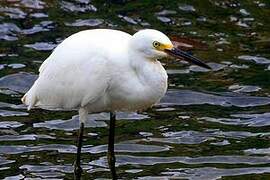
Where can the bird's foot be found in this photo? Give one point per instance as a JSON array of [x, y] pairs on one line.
[[111, 163], [77, 171], [111, 159]]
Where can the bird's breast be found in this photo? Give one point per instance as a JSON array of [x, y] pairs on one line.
[[140, 89]]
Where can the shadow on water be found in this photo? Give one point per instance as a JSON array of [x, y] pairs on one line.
[[210, 125]]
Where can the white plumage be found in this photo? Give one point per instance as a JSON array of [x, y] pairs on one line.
[[102, 70]]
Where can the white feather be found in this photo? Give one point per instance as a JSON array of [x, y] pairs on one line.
[[101, 70]]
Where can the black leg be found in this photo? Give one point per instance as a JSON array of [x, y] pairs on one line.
[[110, 155], [77, 164]]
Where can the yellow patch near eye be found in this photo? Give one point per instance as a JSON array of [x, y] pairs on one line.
[[165, 46], [161, 47]]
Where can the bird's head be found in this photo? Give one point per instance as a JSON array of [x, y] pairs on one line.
[[153, 44]]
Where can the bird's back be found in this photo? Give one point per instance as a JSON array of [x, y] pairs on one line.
[[76, 72], [88, 42]]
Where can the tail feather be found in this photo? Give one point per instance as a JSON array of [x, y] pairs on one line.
[[23, 99], [29, 99]]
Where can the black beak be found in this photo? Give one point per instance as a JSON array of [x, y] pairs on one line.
[[177, 53]]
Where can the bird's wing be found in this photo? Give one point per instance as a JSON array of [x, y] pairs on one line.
[[71, 85], [78, 70]]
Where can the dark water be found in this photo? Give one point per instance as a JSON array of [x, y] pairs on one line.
[[211, 124]]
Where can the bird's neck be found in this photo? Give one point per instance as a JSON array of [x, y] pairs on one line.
[[139, 62], [149, 71]]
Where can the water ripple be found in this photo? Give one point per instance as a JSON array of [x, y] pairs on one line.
[[10, 124], [50, 175], [41, 46], [8, 31], [17, 177], [13, 13], [214, 66], [4, 161], [19, 82], [131, 148], [86, 22], [186, 8], [93, 120], [247, 88], [255, 151], [19, 149], [44, 168], [205, 173], [256, 59], [26, 137], [41, 27], [174, 139], [183, 137], [251, 120], [196, 137], [187, 97], [6, 113], [63, 148], [71, 7], [148, 160]]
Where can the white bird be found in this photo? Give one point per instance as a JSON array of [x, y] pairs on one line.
[[104, 70]]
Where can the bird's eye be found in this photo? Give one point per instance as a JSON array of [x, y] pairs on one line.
[[156, 44]]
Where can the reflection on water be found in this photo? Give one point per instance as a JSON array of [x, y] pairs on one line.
[[150, 160], [206, 173], [255, 120], [210, 124]]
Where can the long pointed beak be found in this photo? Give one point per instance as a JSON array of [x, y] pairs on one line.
[[177, 53]]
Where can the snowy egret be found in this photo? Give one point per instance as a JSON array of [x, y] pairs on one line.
[[104, 70]]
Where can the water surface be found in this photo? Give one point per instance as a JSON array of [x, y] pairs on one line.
[[210, 125]]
